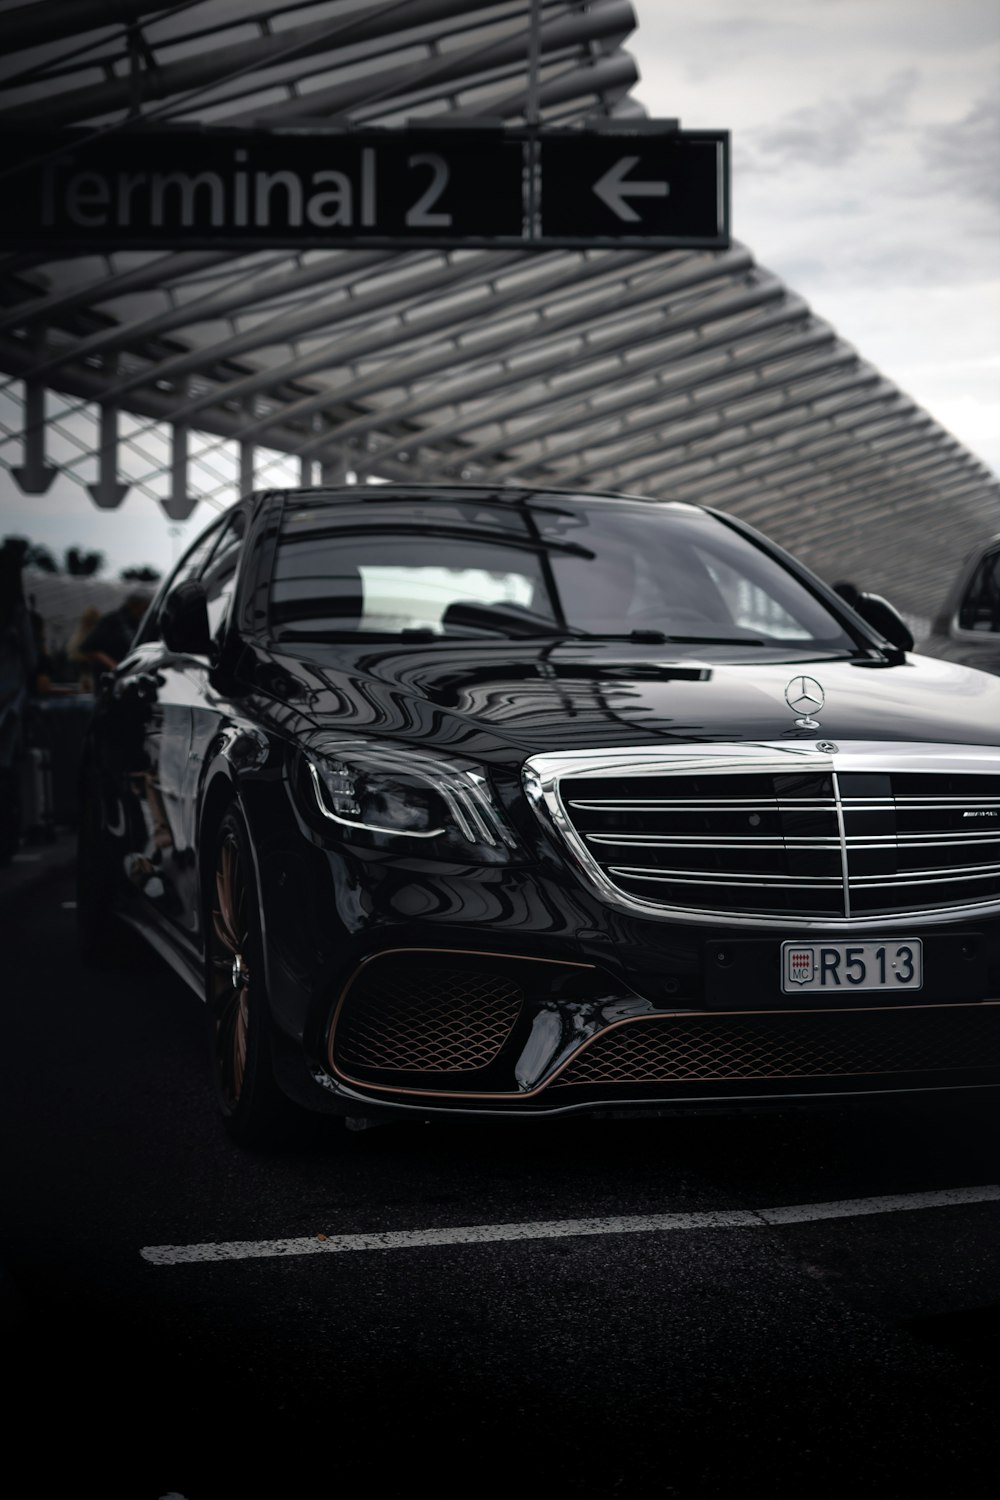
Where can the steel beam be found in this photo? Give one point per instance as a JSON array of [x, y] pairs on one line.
[[208, 65], [536, 320], [33, 25], [678, 382], [592, 356]]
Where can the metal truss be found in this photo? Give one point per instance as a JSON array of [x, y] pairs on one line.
[[679, 375]]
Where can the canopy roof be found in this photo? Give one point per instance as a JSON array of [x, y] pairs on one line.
[[681, 374]]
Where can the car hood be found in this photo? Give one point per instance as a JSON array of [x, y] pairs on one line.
[[515, 698]]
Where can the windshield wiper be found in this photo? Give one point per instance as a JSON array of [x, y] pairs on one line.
[[717, 640], [661, 638], [329, 636], [511, 628]]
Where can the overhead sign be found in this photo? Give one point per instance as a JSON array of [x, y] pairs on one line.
[[211, 188], [671, 187], [250, 189]]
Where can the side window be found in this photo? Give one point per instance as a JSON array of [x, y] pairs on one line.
[[980, 609], [189, 566], [219, 574]]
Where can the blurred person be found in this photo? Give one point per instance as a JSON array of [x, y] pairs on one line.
[[109, 641], [18, 669], [41, 681], [55, 727], [77, 659]]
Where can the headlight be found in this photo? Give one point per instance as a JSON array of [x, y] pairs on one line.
[[425, 804]]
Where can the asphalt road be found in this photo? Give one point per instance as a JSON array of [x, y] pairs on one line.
[[858, 1352]]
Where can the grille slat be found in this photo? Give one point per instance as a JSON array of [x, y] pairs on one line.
[[680, 840], [928, 877], [850, 844], [711, 877]]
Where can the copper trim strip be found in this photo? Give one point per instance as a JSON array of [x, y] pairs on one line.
[[520, 958], [628, 1021]]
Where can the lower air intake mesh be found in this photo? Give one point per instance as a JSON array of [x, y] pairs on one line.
[[426, 1019], [717, 1048]]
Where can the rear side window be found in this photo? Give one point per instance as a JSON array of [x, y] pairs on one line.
[[219, 572], [189, 567], [980, 609]]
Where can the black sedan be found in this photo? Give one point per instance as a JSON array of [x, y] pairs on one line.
[[500, 801]]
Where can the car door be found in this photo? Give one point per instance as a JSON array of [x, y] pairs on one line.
[[197, 690], [149, 712]]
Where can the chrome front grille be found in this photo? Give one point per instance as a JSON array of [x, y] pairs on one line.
[[785, 832]]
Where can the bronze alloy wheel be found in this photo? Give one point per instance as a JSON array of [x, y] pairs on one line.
[[230, 971], [256, 1111]]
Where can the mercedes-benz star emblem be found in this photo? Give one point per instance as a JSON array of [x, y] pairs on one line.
[[805, 696]]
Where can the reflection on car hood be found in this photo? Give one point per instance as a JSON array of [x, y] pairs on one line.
[[517, 697]]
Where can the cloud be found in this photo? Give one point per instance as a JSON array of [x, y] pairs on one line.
[[834, 131], [709, 41], [962, 155], [866, 162]]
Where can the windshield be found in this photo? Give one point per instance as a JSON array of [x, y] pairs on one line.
[[549, 566]]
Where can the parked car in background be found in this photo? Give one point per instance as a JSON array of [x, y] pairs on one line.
[[967, 629], [495, 801]]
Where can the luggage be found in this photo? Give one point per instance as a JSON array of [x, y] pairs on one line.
[[37, 808], [10, 813], [60, 724]]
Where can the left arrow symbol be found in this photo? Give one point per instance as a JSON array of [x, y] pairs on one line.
[[613, 190]]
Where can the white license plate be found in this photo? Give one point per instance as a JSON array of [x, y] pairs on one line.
[[889, 966]]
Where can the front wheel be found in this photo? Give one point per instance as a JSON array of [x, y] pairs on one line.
[[255, 1110]]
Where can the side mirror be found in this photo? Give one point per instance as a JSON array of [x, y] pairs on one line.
[[184, 620], [880, 615]]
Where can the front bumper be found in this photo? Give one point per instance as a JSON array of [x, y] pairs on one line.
[[414, 983], [487, 1031], [517, 992]]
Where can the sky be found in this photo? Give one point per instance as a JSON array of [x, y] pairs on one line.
[[866, 171], [866, 174]]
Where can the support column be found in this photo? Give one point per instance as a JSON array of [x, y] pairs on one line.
[[247, 479], [179, 504], [109, 491], [35, 475], [333, 469], [248, 450]]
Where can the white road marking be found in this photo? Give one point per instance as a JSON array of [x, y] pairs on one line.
[[849, 1208], [481, 1234]]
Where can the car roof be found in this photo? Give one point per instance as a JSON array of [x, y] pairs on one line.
[[504, 494]]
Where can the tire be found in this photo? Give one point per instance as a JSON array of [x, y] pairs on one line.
[[255, 1110]]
